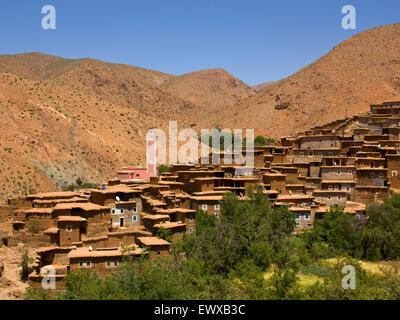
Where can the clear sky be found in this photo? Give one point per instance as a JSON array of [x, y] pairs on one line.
[[255, 40]]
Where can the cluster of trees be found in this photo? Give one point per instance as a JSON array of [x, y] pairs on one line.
[[375, 236], [80, 184], [250, 252], [258, 141]]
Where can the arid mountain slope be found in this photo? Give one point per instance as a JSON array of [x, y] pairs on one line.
[[209, 89], [87, 120], [363, 69], [262, 86]]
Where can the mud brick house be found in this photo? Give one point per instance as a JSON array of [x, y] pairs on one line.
[[177, 229], [208, 204], [103, 261], [132, 173], [159, 247]]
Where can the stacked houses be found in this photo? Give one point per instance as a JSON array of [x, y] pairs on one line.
[[350, 163]]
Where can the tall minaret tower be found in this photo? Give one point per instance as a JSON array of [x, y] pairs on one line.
[[151, 154]]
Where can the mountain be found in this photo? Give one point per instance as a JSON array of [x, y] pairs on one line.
[[362, 70], [262, 86], [69, 118], [210, 89]]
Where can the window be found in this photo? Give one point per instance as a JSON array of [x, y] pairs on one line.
[[348, 188], [301, 154], [349, 172], [320, 154], [190, 219], [298, 224], [204, 207], [297, 217], [372, 175], [134, 218], [336, 187], [190, 230], [122, 211], [112, 264], [338, 173], [394, 173], [180, 233], [330, 188], [216, 207], [310, 154], [69, 228], [306, 217], [338, 197], [134, 210], [217, 215], [113, 211], [85, 264], [381, 175]]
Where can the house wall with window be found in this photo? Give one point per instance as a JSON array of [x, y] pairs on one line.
[[69, 232], [337, 172], [393, 170], [304, 218], [331, 197], [209, 205], [371, 177]]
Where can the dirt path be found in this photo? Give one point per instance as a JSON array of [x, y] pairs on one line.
[[11, 287]]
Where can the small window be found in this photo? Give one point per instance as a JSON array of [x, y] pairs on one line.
[[297, 217], [320, 154], [190, 230], [216, 207], [122, 211], [348, 188], [349, 172], [381, 175], [69, 229], [338, 173], [180, 233], [217, 215], [336, 187], [301, 154], [339, 197], [134, 210], [113, 211], [306, 217], [204, 207], [298, 224], [372, 175], [310, 154], [190, 219], [134, 218], [329, 187], [394, 173]]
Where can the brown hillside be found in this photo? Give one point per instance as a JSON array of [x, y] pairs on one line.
[[262, 86], [363, 69], [210, 89], [81, 118]]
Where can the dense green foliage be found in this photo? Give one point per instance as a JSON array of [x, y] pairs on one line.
[[163, 168], [262, 141], [250, 252], [221, 144]]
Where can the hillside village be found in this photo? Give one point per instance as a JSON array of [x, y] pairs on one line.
[[350, 162]]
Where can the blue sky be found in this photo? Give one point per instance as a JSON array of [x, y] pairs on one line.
[[256, 41]]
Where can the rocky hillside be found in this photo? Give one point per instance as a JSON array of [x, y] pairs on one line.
[[209, 89], [362, 70], [64, 119]]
